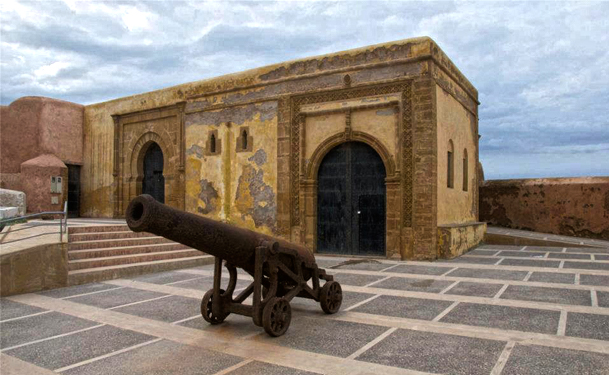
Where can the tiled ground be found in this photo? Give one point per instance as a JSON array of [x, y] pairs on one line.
[[496, 310]]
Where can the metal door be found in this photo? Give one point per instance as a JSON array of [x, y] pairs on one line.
[[351, 201], [73, 190], [154, 182]]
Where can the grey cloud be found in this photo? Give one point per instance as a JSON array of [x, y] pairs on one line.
[[541, 68]]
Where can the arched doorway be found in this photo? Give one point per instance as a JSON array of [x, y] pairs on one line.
[[154, 182], [351, 198]]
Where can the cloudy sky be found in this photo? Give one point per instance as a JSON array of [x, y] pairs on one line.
[[542, 68]]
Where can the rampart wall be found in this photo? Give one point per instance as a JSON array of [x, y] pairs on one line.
[[566, 206]]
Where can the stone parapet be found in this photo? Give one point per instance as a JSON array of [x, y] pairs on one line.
[[566, 206]]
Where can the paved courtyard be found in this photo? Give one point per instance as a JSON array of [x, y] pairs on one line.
[[496, 310]]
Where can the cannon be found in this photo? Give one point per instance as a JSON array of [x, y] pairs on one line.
[[281, 270]]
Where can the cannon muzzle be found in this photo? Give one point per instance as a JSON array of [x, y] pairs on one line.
[[235, 245]]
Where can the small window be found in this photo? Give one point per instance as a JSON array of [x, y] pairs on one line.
[[244, 140], [465, 169], [450, 166], [212, 144]]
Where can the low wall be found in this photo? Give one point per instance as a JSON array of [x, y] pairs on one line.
[[12, 198], [455, 240], [566, 206], [38, 268]]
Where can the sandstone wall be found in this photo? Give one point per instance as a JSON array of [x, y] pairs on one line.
[[456, 204], [294, 113], [567, 206], [32, 126]]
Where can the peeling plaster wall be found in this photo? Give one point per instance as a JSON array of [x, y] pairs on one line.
[[237, 187], [566, 206], [97, 180], [262, 187], [455, 123]]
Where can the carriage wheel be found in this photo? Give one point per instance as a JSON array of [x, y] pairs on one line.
[[276, 316], [331, 297], [206, 308]]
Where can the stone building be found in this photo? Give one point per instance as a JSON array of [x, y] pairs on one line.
[[371, 151]]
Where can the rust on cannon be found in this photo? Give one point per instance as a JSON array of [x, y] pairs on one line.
[[280, 269]]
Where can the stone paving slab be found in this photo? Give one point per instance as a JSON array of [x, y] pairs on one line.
[[414, 285], [551, 249], [404, 307], [489, 274], [482, 252], [504, 317], [435, 353], [76, 290], [590, 326], [364, 266], [349, 299], [549, 295], [17, 332], [168, 309], [549, 277], [471, 260], [206, 283], [420, 270], [603, 299], [570, 256], [160, 358], [357, 280], [256, 367], [589, 250], [587, 266], [599, 280], [237, 325], [602, 257], [117, 297], [543, 360], [521, 254], [464, 288], [499, 247], [331, 337], [11, 310], [530, 263], [60, 352], [164, 277]]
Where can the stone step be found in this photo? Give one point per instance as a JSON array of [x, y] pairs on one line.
[[74, 265], [89, 275], [101, 244], [126, 250], [96, 236], [98, 228]]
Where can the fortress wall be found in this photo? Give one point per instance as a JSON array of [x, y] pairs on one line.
[[566, 206]]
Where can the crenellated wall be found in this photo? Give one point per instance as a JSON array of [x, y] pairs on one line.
[[566, 206]]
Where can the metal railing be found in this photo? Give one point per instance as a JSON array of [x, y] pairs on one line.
[[63, 222]]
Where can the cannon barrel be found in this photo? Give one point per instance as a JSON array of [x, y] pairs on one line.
[[235, 245]]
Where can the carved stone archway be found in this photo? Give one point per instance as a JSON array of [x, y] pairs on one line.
[[137, 162], [308, 189], [133, 134]]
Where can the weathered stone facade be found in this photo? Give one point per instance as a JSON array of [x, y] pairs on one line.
[[246, 148]]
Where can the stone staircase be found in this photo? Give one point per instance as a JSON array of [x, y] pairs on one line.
[[104, 252]]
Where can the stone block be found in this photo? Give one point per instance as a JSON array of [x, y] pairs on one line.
[[13, 199], [455, 240]]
